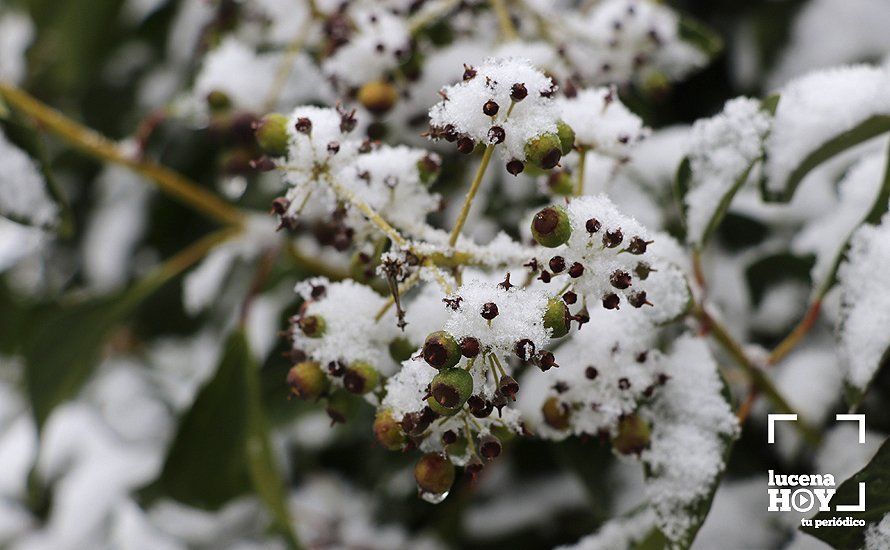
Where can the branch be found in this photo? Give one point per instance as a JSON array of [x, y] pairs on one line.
[[99, 146]]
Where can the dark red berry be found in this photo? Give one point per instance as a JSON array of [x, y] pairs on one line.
[[489, 311], [620, 279], [490, 108], [518, 92], [576, 270], [592, 225], [611, 301], [515, 167], [557, 264]]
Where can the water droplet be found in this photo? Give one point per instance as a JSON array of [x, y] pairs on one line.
[[433, 498], [232, 187]]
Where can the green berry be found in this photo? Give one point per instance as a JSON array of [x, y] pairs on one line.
[[551, 226], [401, 349], [338, 407], [360, 378], [441, 350], [439, 409], [560, 183], [378, 97], [633, 435], [271, 135], [556, 414], [307, 380], [428, 168], [434, 473], [556, 318], [218, 101], [387, 431], [312, 326], [566, 137], [544, 151], [452, 387]]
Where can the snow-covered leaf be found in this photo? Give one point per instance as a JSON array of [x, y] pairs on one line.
[[222, 447], [693, 428], [820, 115], [864, 280], [877, 499], [722, 152]]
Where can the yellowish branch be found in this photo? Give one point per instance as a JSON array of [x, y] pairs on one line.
[[99, 146]]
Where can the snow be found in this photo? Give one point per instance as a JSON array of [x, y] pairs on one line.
[[16, 34], [864, 280], [817, 107], [721, 149], [533, 116], [23, 193], [601, 122], [691, 421]]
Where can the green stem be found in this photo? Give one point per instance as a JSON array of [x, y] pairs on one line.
[[579, 187], [471, 194]]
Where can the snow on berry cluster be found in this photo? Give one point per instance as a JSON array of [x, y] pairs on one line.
[[601, 122], [604, 256], [503, 101]]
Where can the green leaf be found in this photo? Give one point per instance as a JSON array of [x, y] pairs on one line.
[[864, 131], [877, 502], [22, 133], [684, 181], [701, 36], [62, 349], [222, 448]]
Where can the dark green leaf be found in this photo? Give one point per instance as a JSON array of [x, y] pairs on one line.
[[23, 135], [876, 476], [701, 36], [63, 345], [865, 130], [222, 448]]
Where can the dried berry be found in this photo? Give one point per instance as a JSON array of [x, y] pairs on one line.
[[465, 145], [569, 297], [338, 407], [557, 264], [576, 270], [518, 92], [613, 238], [620, 279], [591, 373], [469, 347], [489, 447], [524, 349], [496, 134], [592, 225], [611, 301], [638, 245], [509, 387], [489, 310], [515, 167], [638, 299], [642, 270], [303, 125], [490, 108]]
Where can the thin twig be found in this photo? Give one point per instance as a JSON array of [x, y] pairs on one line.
[[508, 30], [579, 188], [471, 194]]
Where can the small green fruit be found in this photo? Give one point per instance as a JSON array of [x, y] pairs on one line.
[[360, 378], [434, 473], [452, 387], [560, 183], [544, 151], [439, 409], [378, 97], [441, 350], [556, 414], [428, 168], [551, 226], [387, 431], [401, 349], [338, 407], [271, 135], [633, 435], [566, 137], [556, 318], [313, 326], [307, 380], [218, 101]]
